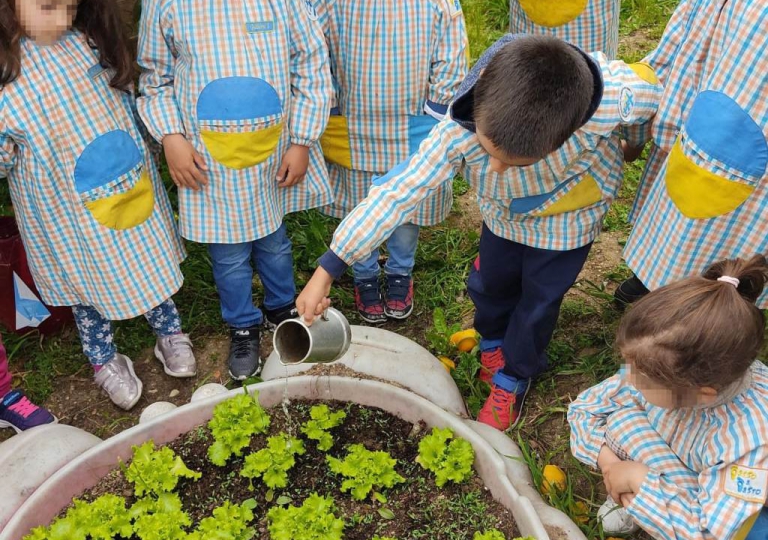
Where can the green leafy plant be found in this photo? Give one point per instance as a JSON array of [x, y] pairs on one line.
[[103, 519], [313, 520], [233, 424], [159, 518], [365, 471], [492, 534], [439, 336], [273, 462], [229, 522], [449, 461], [383, 538], [321, 421], [155, 471]]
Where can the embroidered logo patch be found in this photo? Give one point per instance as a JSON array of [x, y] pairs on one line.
[[626, 103], [309, 7], [746, 483], [454, 7], [259, 27]]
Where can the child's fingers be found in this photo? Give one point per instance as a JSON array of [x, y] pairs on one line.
[[200, 161], [282, 171]]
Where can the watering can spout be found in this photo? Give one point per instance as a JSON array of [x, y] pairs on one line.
[[327, 340]]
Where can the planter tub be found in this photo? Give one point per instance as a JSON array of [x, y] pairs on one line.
[[497, 457]]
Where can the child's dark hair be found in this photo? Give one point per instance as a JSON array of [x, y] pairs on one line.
[[101, 23], [534, 94], [699, 331]]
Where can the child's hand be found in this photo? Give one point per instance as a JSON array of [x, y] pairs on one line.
[[186, 166], [294, 166], [606, 457], [624, 477], [631, 153], [313, 300]]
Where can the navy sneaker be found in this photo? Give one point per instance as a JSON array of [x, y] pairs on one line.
[[370, 305], [273, 317], [17, 412], [244, 360], [630, 291], [398, 302]]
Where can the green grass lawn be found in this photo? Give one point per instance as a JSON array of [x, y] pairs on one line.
[[581, 351]]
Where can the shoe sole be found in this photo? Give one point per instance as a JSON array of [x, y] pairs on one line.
[[256, 373], [399, 317], [5, 424], [372, 321], [159, 356], [139, 384]]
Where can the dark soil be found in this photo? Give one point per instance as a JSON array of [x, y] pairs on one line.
[[421, 509]]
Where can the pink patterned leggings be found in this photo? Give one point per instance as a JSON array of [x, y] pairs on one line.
[[5, 375]]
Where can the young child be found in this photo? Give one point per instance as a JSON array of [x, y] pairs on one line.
[[704, 193], [535, 129], [591, 25], [379, 121], [16, 411], [91, 208], [681, 433], [238, 94]]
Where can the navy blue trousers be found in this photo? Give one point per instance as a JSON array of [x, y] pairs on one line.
[[517, 291]]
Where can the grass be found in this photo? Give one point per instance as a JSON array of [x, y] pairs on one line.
[[581, 351]]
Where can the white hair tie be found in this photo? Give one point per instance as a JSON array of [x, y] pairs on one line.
[[729, 279]]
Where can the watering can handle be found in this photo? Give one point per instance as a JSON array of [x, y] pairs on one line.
[[324, 316]]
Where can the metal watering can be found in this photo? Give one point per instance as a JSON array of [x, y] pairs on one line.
[[327, 340]]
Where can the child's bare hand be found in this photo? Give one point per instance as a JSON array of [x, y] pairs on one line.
[[294, 166], [186, 166], [606, 457], [313, 300], [624, 477]]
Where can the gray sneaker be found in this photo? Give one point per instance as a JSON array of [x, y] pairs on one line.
[[120, 382], [244, 358], [175, 353], [616, 519]]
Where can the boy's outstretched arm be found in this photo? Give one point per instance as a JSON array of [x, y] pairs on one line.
[[392, 200]]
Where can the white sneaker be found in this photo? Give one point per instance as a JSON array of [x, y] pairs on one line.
[[120, 382], [616, 519], [175, 353]]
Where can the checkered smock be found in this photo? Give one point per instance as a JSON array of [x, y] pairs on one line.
[[242, 80], [93, 213]]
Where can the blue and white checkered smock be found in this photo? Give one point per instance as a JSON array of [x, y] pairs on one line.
[[242, 81], [93, 214]]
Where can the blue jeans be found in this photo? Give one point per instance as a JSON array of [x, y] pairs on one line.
[[233, 273], [402, 255]]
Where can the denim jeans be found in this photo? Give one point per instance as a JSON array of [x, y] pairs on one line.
[[233, 273], [402, 255]]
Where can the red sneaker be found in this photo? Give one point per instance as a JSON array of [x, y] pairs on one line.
[[503, 408], [492, 361], [370, 305]]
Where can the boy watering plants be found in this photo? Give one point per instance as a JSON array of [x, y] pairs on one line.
[[535, 128]]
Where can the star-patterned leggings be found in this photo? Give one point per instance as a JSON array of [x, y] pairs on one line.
[[97, 334]]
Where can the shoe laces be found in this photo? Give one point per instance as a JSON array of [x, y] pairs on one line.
[[493, 359], [368, 293], [398, 287], [23, 407], [501, 399], [241, 346]]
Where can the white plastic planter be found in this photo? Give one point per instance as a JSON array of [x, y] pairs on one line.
[[507, 479]]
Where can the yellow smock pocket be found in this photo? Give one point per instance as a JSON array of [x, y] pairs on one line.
[[553, 13], [335, 142], [722, 134], [240, 121], [584, 193], [112, 183]]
